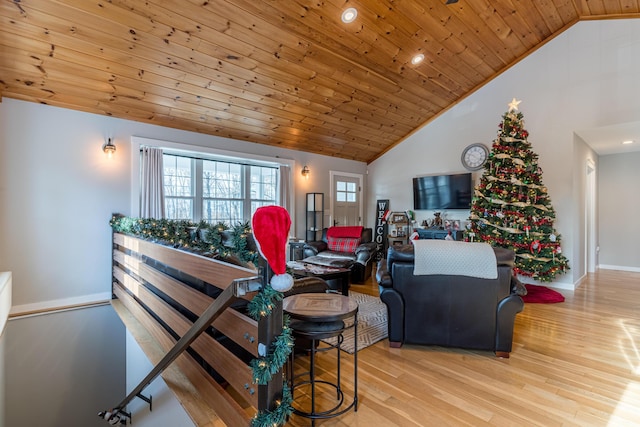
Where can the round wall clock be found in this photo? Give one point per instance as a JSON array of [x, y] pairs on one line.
[[475, 156]]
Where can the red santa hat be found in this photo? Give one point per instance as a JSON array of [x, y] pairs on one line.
[[271, 226]]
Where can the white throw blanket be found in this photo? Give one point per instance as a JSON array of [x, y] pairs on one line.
[[454, 258]]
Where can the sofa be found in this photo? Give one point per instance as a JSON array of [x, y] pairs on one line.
[[344, 246], [446, 305]]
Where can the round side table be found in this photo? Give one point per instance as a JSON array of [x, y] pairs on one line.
[[318, 316]]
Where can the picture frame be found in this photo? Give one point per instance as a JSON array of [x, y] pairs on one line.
[[399, 218]]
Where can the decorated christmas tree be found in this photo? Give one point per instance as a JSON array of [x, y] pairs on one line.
[[511, 207]]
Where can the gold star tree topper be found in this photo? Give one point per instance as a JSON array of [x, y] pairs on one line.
[[513, 105]]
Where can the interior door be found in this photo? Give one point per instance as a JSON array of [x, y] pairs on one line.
[[346, 199]]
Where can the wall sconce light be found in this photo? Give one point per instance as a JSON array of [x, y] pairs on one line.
[[109, 148], [305, 172]]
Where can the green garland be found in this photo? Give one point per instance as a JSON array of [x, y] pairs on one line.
[[279, 415], [203, 238], [188, 236], [263, 302], [213, 236], [265, 367]]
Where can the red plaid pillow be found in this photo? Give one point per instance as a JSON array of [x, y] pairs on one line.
[[343, 244]]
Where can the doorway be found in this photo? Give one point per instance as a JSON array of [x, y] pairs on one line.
[[346, 198], [591, 246]]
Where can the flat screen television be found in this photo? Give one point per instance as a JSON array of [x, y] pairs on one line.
[[436, 192]]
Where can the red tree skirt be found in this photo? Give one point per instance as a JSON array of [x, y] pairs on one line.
[[542, 295]]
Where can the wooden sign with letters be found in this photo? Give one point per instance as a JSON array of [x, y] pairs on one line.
[[380, 232]]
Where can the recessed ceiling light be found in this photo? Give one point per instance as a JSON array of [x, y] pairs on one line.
[[628, 142], [349, 15], [417, 59]]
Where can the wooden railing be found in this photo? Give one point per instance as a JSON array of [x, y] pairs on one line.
[[165, 290]]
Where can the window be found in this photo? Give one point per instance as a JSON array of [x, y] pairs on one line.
[[346, 191], [215, 190], [178, 187]]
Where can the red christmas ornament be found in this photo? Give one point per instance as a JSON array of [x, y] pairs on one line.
[[535, 246]]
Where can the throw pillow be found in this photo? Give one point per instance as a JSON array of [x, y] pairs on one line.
[[343, 244]]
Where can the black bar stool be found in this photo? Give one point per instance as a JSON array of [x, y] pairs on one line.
[[317, 317]]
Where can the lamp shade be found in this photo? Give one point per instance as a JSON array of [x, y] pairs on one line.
[[109, 148]]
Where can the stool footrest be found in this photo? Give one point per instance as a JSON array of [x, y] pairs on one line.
[[316, 318]]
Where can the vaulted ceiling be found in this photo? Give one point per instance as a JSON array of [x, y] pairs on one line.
[[287, 73]]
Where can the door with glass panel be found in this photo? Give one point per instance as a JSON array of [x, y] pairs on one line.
[[346, 198]]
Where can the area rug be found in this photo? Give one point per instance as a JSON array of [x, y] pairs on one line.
[[372, 323], [542, 295]]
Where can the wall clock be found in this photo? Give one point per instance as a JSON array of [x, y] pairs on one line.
[[475, 156]]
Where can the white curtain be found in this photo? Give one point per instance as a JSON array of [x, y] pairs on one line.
[[285, 186], [151, 184]]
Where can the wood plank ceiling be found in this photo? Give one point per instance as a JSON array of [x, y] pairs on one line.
[[287, 73]]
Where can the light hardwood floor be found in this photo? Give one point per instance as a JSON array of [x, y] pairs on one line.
[[575, 363]]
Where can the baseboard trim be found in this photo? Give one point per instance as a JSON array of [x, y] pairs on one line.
[[562, 285], [45, 307], [558, 284], [619, 267]]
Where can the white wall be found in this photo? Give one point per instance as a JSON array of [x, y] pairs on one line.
[[62, 368], [58, 191], [619, 211], [167, 410], [586, 77]]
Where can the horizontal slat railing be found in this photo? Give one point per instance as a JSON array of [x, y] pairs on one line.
[[225, 407], [219, 358], [162, 288], [218, 273], [230, 323]]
